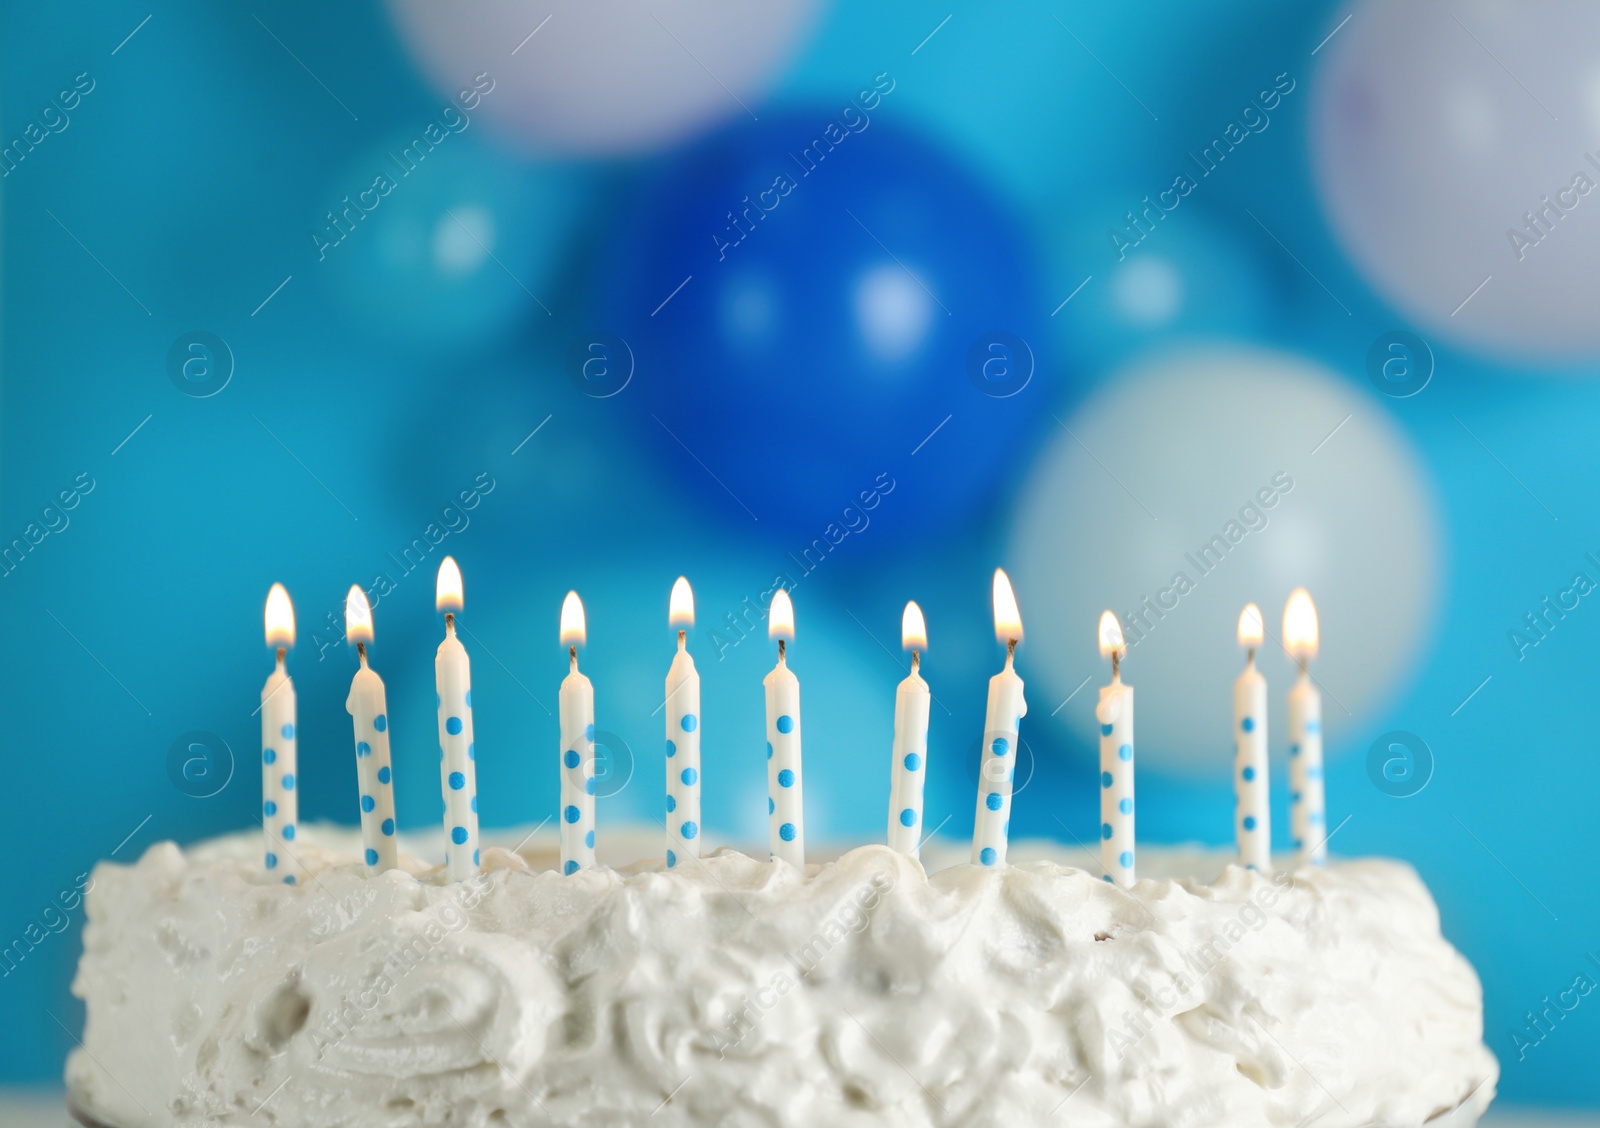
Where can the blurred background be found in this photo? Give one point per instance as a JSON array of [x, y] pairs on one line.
[[861, 301]]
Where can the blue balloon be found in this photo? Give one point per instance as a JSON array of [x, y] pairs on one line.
[[833, 324]]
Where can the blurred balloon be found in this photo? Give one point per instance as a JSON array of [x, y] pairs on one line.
[[603, 78], [1200, 481], [1193, 277], [1455, 152], [818, 325], [434, 243]]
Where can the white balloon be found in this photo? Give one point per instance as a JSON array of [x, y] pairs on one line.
[[1247, 473], [593, 78], [1457, 146]]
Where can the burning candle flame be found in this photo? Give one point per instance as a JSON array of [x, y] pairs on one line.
[[1007, 618], [279, 617], [913, 628], [1300, 625], [780, 616], [680, 607], [574, 629], [357, 616], [1111, 641], [1250, 626], [447, 590]]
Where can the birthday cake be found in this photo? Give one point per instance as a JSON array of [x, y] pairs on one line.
[[735, 991]]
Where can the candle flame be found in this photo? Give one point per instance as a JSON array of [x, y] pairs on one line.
[[447, 590], [680, 607], [574, 628], [1300, 625], [1007, 618], [357, 616], [913, 628], [279, 617], [1111, 641], [1251, 627], [780, 616]]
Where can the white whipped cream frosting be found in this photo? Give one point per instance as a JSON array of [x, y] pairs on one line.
[[737, 992]]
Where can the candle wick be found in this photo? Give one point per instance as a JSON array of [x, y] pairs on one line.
[[916, 660], [282, 651], [1116, 665], [683, 639], [781, 648], [361, 652], [449, 622], [1250, 656], [572, 655]]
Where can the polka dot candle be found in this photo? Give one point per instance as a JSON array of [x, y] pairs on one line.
[[1252, 816], [576, 709], [458, 779], [1308, 820], [785, 805], [683, 735], [369, 714], [908, 770], [1114, 712], [279, 800], [1002, 721]]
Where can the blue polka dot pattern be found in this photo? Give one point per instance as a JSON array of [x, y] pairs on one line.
[[372, 856], [363, 748], [570, 868], [1126, 859], [771, 806], [472, 750], [1105, 877], [458, 835], [571, 814], [1105, 779], [672, 803], [1105, 831], [469, 699], [570, 757], [689, 776], [689, 830], [588, 732], [288, 879], [1249, 773], [987, 856], [672, 859], [786, 778], [269, 756], [387, 827], [992, 800], [452, 725], [1248, 724], [367, 803], [1125, 752], [474, 804], [1249, 822], [690, 722], [672, 749], [272, 861], [786, 723], [913, 762], [769, 749], [1313, 726], [1000, 746], [1126, 806], [787, 832], [908, 817], [269, 808], [288, 832], [1105, 730], [1294, 750], [380, 722], [588, 840], [384, 774], [474, 853], [288, 732], [588, 786], [288, 782], [457, 781]]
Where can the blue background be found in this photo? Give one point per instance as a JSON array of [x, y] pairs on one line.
[[191, 176]]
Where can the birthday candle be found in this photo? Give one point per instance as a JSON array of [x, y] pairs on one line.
[[458, 781], [683, 734], [1115, 714], [908, 771], [370, 715], [1252, 815], [279, 799], [991, 826], [785, 808], [1307, 804], [577, 746]]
